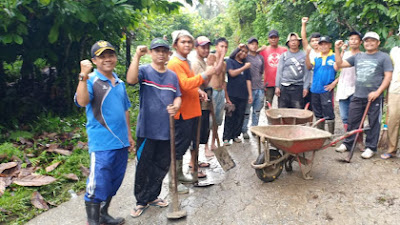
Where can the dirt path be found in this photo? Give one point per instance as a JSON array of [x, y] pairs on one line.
[[362, 192]]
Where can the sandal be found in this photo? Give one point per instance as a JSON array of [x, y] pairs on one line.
[[138, 210], [387, 156], [202, 165], [159, 203], [226, 143], [201, 174]]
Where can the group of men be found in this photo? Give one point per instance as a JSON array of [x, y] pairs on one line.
[[189, 92]]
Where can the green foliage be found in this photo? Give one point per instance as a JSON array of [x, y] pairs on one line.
[[9, 151]]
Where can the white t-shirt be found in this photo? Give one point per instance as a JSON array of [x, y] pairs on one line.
[[347, 81], [395, 83]]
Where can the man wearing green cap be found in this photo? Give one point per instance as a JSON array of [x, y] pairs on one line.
[[159, 99]]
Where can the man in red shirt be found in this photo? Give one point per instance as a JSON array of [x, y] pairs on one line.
[[271, 55]]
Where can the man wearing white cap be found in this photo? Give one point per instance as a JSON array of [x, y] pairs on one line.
[[190, 111], [374, 73]]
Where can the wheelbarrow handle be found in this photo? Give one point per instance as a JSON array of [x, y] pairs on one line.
[[318, 122], [345, 135], [268, 104]]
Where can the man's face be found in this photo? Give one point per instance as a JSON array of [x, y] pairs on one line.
[[273, 41], [314, 43], [105, 62], [159, 55], [371, 44], [324, 47], [354, 41], [293, 43], [203, 51], [253, 46], [221, 47], [184, 46]]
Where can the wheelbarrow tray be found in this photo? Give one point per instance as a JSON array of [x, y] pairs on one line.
[[291, 138], [288, 116]]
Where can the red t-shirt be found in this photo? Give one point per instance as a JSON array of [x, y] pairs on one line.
[[271, 59]]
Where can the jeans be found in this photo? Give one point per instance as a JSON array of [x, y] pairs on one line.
[[344, 108], [258, 102], [218, 100]]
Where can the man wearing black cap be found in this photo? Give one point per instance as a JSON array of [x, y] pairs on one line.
[[257, 86], [107, 103], [271, 55], [323, 83], [159, 99], [347, 79]]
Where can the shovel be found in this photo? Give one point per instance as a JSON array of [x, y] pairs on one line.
[[176, 212], [222, 155], [196, 160]]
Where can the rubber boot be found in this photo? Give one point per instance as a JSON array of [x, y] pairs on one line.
[[93, 213], [182, 177], [105, 218], [321, 125], [331, 126]]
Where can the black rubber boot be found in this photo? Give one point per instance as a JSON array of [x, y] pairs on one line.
[[105, 218], [93, 213]]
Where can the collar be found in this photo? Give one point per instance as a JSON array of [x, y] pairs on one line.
[[182, 58], [329, 54], [104, 78]]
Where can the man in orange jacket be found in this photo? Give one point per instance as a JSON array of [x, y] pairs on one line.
[[186, 119]]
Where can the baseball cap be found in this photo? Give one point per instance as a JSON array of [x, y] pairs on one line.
[[292, 34], [356, 33], [324, 39], [273, 33], [159, 42], [201, 41], [180, 33], [99, 47], [251, 40], [371, 34]]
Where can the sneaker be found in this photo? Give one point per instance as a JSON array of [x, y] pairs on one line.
[[342, 148], [237, 140], [368, 153], [226, 143], [246, 135]]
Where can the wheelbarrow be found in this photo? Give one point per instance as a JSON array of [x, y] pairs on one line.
[[294, 141], [289, 116]]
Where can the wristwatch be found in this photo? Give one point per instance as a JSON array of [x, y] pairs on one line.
[[82, 77]]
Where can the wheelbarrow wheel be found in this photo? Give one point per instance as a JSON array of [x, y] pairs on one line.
[[269, 173]]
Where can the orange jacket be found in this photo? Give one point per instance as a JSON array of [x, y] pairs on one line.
[[189, 84]]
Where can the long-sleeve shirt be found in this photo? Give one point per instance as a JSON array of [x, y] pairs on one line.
[[292, 70], [189, 84]]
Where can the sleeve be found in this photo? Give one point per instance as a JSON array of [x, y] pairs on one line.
[[387, 64], [229, 66], [127, 102], [247, 74], [279, 71], [142, 72], [306, 78], [185, 82], [176, 84], [351, 60]]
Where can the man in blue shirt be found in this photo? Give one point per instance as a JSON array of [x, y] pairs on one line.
[[159, 99], [107, 103]]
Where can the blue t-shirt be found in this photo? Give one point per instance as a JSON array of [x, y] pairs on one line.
[[237, 86], [157, 91], [324, 73], [106, 119]]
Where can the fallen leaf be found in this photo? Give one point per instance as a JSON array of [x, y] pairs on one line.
[[26, 172], [60, 151], [52, 146], [85, 171], [34, 180], [52, 167], [22, 140], [51, 135], [38, 201], [4, 183], [6, 166], [71, 176]]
